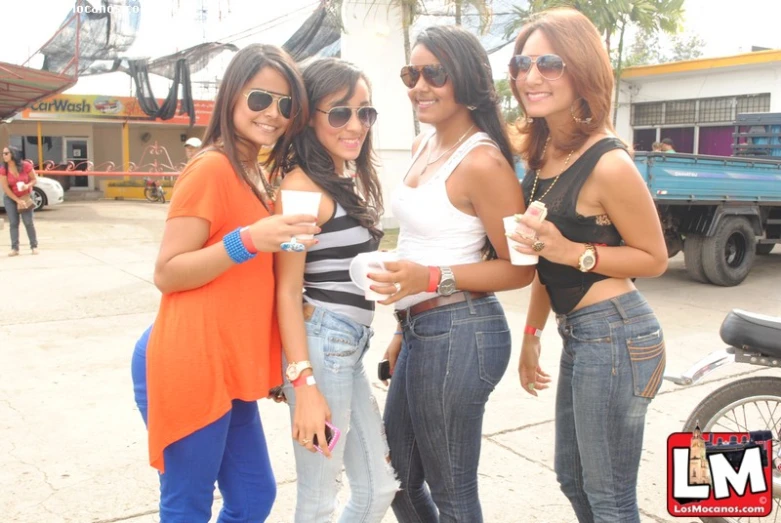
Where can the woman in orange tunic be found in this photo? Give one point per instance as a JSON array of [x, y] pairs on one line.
[[214, 348]]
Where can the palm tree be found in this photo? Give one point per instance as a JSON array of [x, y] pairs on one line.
[[613, 17]]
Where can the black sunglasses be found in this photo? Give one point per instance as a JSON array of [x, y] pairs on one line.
[[260, 100], [435, 75], [550, 66], [340, 116]]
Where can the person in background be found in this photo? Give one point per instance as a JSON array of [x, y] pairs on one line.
[[324, 317], [191, 147], [214, 348], [17, 178], [668, 145], [656, 147], [602, 230]]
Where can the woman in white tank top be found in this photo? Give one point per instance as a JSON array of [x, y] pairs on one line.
[[452, 344]]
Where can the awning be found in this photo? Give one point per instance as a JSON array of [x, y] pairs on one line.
[[22, 86]]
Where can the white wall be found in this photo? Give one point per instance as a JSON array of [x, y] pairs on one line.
[[726, 81], [373, 41]]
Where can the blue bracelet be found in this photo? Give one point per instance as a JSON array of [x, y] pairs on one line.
[[235, 247], [397, 333]]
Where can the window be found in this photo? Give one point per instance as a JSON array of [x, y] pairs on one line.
[[680, 111], [754, 103], [720, 109], [647, 113]]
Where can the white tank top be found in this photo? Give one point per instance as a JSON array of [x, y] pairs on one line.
[[432, 230]]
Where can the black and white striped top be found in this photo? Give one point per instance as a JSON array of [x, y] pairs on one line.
[[327, 273]]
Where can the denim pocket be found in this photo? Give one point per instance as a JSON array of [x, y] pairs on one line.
[[339, 351], [593, 331], [647, 356], [431, 326], [493, 355]]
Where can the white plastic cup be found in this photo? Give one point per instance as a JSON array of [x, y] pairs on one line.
[[365, 263], [301, 202], [19, 186], [517, 258]]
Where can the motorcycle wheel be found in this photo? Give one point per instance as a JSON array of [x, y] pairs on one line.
[[744, 405], [150, 194]]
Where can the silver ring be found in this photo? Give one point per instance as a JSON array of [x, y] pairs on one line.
[[292, 246], [398, 286]]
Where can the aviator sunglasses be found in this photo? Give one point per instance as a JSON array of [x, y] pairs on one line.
[[434, 74], [550, 66], [340, 116], [260, 100]]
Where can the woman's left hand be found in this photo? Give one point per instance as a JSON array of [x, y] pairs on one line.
[[402, 278], [550, 243]]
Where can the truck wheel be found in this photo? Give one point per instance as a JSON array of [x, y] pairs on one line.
[[692, 257], [728, 255], [765, 248]]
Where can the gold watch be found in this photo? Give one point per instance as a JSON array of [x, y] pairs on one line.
[[295, 369], [588, 260]]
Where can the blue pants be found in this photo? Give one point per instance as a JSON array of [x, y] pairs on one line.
[[231, 452], [611, 368], [451, 359]]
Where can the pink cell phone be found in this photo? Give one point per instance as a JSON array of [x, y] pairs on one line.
[[537, 210], [331, 436]]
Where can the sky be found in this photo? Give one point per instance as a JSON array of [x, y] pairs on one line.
[[170, 25]]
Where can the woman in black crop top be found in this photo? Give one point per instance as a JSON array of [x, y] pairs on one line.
[[602, 231]]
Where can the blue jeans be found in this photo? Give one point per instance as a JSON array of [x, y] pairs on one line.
[[336, 349], [611, 367], [451, 359], [231, 452], [13, 223]]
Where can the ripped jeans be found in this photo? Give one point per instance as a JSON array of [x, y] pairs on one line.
[[611, 367], [336, 348]]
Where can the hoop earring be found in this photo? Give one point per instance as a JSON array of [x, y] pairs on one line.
[[582, 121]]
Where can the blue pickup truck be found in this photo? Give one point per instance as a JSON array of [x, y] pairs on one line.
[[721, 211]]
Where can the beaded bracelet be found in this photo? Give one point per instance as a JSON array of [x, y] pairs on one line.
[[235, 247]]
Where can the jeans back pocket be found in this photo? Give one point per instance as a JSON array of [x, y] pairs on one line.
[[648, 360], [493, 355]]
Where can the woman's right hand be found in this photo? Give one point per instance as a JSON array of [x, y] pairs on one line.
[[270, 233], [392, 354], [533, 378], [311, 413]]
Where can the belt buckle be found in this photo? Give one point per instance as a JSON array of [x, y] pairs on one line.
[[400, 315]]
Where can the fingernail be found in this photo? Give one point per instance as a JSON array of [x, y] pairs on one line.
[[508, 234], [518, 217]]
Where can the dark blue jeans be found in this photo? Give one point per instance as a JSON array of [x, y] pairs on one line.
[[13, 223], [231, 452], [451, 360], [611, 367]]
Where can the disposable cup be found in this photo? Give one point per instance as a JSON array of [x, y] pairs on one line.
[[517, 258], [19, 186], [301, 202], [365, 263]]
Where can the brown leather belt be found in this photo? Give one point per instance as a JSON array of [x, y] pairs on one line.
[[439, 301]]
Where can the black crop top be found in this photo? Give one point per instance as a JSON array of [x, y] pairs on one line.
[[567, 285]]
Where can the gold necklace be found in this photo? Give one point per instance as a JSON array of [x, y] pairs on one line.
[[429, 161], [537, 173]]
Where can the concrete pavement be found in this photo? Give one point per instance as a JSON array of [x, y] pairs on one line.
[[72, 444]]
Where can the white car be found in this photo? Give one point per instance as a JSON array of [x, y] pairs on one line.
[[45, 192]]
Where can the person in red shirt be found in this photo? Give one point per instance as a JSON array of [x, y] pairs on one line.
[[17, 178]]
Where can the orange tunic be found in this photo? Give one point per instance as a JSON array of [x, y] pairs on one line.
[[218, 342]]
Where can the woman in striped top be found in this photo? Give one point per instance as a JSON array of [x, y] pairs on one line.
[[326, 328]]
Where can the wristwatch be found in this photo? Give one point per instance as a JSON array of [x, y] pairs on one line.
[[295, 369], [447, 282], [588, 260]]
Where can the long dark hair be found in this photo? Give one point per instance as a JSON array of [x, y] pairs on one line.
[[323, 78], [221, 131], [467, 65], [16, 158], [577, 41]]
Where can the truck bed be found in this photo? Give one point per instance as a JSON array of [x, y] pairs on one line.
[[677, 177]]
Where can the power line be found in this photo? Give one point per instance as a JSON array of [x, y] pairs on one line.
[[268, 24]]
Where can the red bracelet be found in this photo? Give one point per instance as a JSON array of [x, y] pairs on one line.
[[434, 274], [246, 239], [534, 331]]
